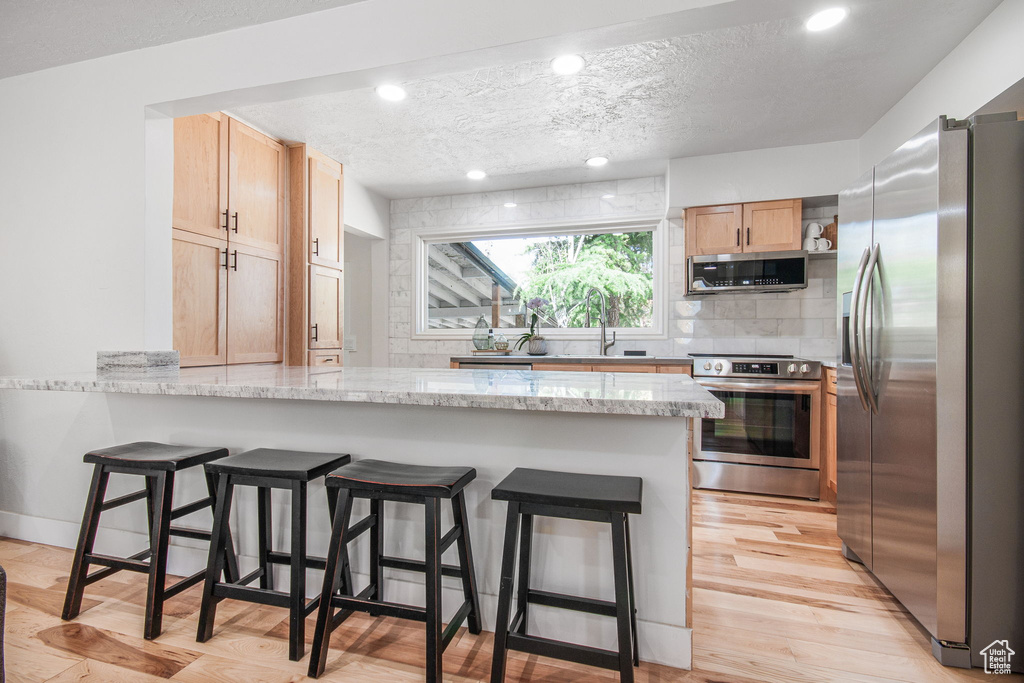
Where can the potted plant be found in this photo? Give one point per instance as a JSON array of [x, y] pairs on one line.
[[535, 343]]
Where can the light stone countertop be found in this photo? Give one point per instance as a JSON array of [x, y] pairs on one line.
[[669, 395]]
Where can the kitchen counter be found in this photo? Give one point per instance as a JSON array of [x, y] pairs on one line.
[[572, 392], [583, 360]]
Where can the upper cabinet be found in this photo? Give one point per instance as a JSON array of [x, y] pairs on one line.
[[256, 185], [738, 228], [201, 174], [228, 242], [326, 198]]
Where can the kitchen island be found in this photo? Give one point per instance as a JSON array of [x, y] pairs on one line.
[[490, 419]]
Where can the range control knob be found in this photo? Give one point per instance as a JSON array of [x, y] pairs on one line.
[[805, 368], [707, 365], [792, 368], [718, 367]]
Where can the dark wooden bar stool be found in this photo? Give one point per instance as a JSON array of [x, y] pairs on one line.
[[381, 481], [590, 497], [267, 469], [158, 463]]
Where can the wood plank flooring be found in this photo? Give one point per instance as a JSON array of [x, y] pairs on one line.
[[773, 601]]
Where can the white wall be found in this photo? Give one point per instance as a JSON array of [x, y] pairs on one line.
[[988, 61], [358, 301], [761, 174], [366, 212]]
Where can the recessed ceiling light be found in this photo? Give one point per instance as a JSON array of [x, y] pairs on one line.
[[567, 65], [607, 196], [510, 205], [597, 161], [476, 174], [826, 19], [391, 93]]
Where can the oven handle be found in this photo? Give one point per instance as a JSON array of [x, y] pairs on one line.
[[796, 387]]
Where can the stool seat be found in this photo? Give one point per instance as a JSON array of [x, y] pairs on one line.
[[280, 464], [572, 490], [394, 477], [148, 455]]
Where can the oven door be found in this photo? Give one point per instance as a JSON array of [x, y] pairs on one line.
[[766, 423]]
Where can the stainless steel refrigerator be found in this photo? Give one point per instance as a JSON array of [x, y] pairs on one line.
[[931, 385]]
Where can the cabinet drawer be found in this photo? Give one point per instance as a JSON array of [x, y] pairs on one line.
[[622, 367], [325, 358], [676, 369], [830, 380]]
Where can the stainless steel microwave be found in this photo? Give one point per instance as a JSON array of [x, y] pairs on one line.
[[776, 271]]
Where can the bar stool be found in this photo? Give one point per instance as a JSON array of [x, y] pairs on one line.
[[266, 469], [590, 497], [381, 481], [158, 463]]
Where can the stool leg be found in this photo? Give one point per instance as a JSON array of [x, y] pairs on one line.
[[266, 534], [632, 594], [218, 543], [297, 618], [432, 537], [622, 602], [377, 549], [525, 547], [86, 539], [163, 486], [231, 573], [322, 632], [343, 586], [508, 559], [151, 494], [466, 561]]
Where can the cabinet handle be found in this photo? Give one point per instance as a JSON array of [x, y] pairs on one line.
[[225, 212], [316, 247], [225, 264], [234, 264], [235, 216], [737, 237], [315, 333], [748, 237]]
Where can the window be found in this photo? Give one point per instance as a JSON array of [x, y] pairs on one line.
[[464, 278]]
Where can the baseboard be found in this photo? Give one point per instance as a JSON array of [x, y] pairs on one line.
[[659, 643]]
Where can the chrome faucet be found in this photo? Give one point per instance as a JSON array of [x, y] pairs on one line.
[[602, 318]]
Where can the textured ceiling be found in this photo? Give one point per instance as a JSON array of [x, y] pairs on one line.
[[39, 34], [746, 86]]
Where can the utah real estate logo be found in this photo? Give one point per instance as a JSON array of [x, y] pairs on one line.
[[997, 657]]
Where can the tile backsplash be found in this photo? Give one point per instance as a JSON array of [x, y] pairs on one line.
[[801, 323]]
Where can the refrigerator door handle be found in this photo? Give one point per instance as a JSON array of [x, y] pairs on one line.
[[854, 330], [867, 282]]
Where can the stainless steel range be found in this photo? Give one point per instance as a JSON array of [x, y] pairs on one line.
[[769, 439]]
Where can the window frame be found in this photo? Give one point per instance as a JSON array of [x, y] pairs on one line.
[[421, 238]]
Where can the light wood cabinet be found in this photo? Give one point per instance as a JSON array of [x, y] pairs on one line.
[[605, 367], [676, 369], [622, 367], [316, 255], [744, 228], [255, 306], [228, 210], [829, 437], [714, 230], [772, 226], [256, 183], [200, 298], [200, 202], [562, 367]]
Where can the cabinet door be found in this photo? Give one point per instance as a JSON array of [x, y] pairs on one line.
[[561, 367], [201, 174], [676, 369], [622, 367], [772, 226], [713, 229], [830, 441], [255, 306], [255, 189], [326, 298], [200, 298], [326, 199]]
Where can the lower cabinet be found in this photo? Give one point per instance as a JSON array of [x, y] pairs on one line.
[[255, 306], [607, 367], [828, 437], [200, 298]]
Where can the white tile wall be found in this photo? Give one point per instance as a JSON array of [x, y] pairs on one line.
[[800, 323]]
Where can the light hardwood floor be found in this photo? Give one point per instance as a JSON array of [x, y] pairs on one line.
[[773, 601]]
